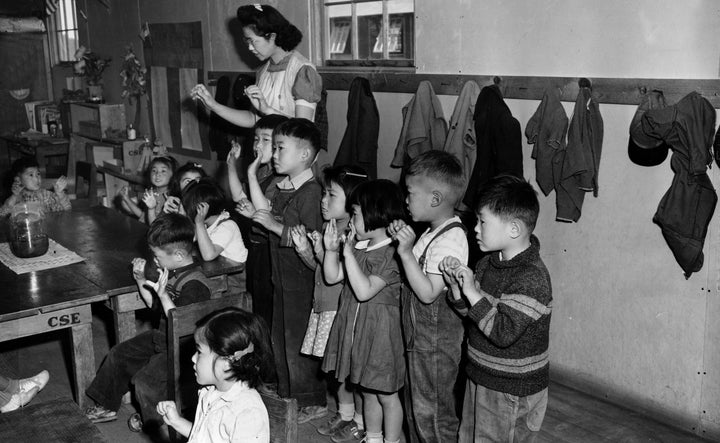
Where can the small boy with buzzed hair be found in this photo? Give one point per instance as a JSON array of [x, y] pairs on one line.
[[433, 331], [508, 303], [27, 187], [142, 360]]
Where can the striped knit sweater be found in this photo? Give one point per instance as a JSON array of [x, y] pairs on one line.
[[508, 339]]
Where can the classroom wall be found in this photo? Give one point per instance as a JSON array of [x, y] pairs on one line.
[[627, 326]]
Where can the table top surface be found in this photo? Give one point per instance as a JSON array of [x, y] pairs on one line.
[[107, 240]]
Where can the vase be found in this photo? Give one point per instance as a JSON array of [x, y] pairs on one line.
[[95, 94]]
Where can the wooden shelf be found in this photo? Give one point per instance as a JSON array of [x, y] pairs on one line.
[[622, 91]]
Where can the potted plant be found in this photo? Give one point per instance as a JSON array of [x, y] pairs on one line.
[[134, 81], [91, 66]]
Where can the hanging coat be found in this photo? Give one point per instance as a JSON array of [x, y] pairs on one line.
[[546, 131], [461, 140], [686, 208], [424, 126], [360, 143], [499, 142], [581, 163]]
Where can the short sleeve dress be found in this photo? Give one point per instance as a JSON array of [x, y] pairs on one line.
[[292, 81], [365, 344]]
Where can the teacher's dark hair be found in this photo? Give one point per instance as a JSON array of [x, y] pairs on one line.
[[265, 20]]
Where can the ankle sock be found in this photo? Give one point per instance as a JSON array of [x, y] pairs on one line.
[[392, 441], [374, 437], [359, 420], [346, 411]]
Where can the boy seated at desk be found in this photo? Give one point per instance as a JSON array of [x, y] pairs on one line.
[[26, 188], [142, 360]]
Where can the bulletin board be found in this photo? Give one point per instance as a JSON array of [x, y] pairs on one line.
[[174, 55]]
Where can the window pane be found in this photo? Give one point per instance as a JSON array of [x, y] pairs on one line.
[[340, 35], [369, 30]]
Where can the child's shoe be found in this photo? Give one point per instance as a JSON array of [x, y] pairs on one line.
[[135, 422], [27, 389], [307, 413], [39, 380], [98, 414], [348, 431], [332, 425]]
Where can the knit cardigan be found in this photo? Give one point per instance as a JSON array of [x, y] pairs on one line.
[[509, 332]]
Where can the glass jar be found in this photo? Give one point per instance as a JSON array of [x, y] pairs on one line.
[[28, 237]]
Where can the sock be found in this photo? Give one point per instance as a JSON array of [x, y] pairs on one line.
[[394, 441], [359, 420], [374, 437], [346, 411]]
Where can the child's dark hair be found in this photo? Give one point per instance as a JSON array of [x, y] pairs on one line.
[[20, 165], [170, 232], [166, 160], [442, 167], [204, 191], [175, 186], [381, 202], [270, 121], [348, 177], [265, 20], [301, 129], [510, 197], [233, 330]]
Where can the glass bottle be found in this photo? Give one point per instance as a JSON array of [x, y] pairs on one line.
[[28, 237]]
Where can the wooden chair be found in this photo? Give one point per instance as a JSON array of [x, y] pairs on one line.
[[181, 324]]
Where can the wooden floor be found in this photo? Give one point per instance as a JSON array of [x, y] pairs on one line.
[[571, 416]]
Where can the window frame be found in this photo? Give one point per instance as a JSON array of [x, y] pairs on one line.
[[59, 40], [321, 41]]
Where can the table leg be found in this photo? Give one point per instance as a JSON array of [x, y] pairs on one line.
[[83, 359], [124, 307]]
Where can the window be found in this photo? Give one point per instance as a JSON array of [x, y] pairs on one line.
[[63, 32], [368, 32]]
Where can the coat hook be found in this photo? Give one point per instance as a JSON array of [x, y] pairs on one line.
[[585, 83], [497, 80]]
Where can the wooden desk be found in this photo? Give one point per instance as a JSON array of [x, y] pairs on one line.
[[44, 148], [60, 298]]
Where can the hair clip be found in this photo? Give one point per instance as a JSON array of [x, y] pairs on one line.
[[197, 165], [353, 174], [258, 6], [237, 355]]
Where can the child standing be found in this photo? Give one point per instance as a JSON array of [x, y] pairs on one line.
[[365, 345], [160, 173], [262, 185], [26, 188], [296, 202], [433, 331], [215, 232], [232, 354], [509, 303], [338, 184], [142, 360]]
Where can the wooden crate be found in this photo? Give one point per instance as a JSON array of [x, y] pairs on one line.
[[97, 121]]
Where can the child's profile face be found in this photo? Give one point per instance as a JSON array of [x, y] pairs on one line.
[[30, 179], [187, 178], [491, 231], [419, 197], [160, 175], [263, 145], [333, 202], [289, 155], [163, 258], [205, 362]]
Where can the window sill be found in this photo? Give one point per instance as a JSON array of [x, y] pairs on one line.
[[368, 67]]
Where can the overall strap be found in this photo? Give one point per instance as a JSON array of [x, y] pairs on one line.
[[445, 229]]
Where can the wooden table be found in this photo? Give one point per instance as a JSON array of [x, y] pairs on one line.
[[60, 298]]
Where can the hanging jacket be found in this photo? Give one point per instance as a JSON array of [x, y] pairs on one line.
[[360, 143], [582, 157], [424, 126], [686, 208], [499, 142], [461, 140], [546, 131]]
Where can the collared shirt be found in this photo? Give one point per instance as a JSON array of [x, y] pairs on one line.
[[295, 183], [237, 415]]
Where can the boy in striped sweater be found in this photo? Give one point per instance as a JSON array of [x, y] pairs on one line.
[[508, 303]]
